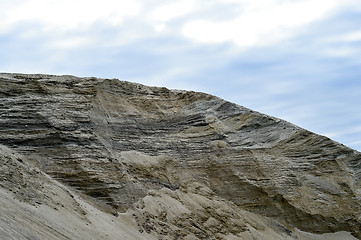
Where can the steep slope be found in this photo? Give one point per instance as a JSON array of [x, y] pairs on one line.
[[182, 164], [34, 206]]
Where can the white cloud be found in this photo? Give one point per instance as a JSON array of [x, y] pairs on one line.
[[345, 38], [170, 11], [341, 52], [68, 43], [67, 14], [263, 23], [251, 23], [159, 27], [352, 37]]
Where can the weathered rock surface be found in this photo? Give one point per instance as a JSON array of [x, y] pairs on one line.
[[164, 164]]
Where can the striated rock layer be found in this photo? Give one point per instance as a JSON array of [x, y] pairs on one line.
[[180, 165]]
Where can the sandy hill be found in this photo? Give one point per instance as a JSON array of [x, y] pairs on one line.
[[89, 158]]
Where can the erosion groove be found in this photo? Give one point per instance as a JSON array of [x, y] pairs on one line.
[[168, 164]]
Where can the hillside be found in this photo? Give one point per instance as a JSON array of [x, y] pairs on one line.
[[89, 158]]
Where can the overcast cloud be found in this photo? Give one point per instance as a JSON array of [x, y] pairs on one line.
[[297, 60]]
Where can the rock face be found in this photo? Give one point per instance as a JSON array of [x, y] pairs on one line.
[[168, 164]]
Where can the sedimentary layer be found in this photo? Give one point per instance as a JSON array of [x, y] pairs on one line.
[[180, 164]]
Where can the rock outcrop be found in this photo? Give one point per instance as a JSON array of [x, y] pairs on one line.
[[155, 163]]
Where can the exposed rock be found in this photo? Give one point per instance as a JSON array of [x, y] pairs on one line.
[[182, 165]]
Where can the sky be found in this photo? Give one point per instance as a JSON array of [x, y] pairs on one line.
[[298, 60]]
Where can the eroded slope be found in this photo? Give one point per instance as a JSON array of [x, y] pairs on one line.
[[117, 142]]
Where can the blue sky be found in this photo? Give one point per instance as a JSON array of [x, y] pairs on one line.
[[298, 60]]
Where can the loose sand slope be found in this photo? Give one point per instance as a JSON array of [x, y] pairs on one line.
[[59, 213]]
